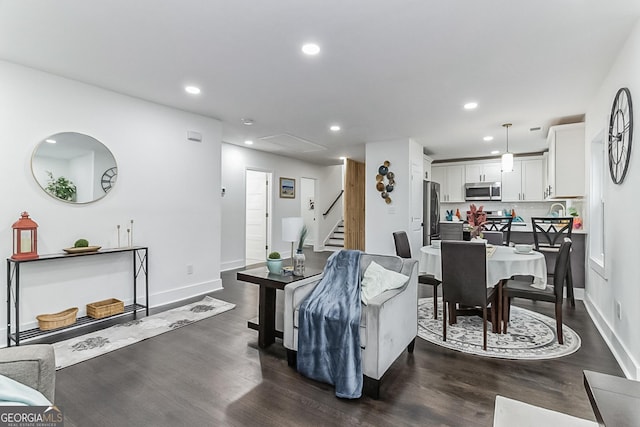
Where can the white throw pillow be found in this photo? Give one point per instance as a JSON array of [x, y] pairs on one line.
[[378, 279]]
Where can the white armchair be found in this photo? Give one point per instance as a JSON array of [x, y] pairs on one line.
[[388, 324]]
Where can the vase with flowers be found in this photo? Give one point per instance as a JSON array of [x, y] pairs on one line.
[[299, 258], [477, 217]]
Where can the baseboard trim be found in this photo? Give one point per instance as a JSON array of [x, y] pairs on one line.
[[624, 358], [232, 265]]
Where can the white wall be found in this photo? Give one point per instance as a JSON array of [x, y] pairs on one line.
[[170, 187], [235, 161], [383, 219], [621, 232]]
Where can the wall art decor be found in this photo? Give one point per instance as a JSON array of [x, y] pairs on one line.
[[385, 181], [287, 188]]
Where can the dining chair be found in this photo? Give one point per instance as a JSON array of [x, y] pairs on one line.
[[551, 293], [403, 250], [548, 235], [464, 281], [451, 230], [499, 223], [493, 237]]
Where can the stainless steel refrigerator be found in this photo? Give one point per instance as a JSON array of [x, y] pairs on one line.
[[430, 212]]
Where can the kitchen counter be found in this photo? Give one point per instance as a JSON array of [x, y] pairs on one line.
[[520, 227]]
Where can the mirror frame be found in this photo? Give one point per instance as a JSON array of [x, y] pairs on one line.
[[106, 180]]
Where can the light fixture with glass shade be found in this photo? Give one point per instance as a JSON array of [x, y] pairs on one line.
[[507, 157]]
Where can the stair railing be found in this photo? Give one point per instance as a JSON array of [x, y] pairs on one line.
[[333, 204]]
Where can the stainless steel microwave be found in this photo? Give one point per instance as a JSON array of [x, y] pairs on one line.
[[483, 191]]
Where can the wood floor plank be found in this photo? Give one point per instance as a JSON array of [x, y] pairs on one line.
[[212, 373]]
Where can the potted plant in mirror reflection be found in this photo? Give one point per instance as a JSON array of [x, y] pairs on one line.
[[60, 187]]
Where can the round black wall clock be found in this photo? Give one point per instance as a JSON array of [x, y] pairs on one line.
[[620, 135]]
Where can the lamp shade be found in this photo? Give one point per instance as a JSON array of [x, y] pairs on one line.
[[507, 162], [291, 227]]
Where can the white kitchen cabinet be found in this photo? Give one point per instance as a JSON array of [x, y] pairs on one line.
[[483, 172], [451, 179], [426, 168], [525, 182], [565, 167]]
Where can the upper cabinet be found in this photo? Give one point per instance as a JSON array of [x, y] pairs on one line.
[[525, 182], [565, 168], [483, 172], [426, 169], [451, 179]]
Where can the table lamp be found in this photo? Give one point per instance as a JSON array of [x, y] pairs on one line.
[[291, 227]]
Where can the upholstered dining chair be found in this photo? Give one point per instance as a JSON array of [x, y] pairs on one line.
[[548, 235], [403, 250], [517, 289], [493, 237], [464, 281], [499, 223]]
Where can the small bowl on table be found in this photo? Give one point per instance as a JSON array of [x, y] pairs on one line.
[[436, 243], [523, 248]]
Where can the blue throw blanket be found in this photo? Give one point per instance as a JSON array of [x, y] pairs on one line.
[[328, 327]]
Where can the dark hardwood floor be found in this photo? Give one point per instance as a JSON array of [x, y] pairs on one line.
[[211, 373]]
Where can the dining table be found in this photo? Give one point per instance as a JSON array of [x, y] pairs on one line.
[[503, 262]]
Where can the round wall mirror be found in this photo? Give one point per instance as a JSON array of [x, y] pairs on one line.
[[74, 167]]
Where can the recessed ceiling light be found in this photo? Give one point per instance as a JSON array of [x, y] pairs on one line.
[[495, 152], [50, 141], [488, 138], [311, 49], [334, 128], [248, 142], [247, 122], [343, 158], [470, 105], [193, 90]]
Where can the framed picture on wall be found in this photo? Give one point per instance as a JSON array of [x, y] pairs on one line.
[[287, 188]]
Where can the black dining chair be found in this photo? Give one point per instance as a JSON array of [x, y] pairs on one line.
[[499, 223], [403, 250], [552, 293], [464, 281], [493, 237], [548, 235]]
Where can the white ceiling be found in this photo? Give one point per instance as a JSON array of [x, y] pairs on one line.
[[388, 69]]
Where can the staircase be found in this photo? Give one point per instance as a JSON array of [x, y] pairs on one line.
[[336, 239]]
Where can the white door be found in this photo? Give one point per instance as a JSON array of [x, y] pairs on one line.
[[308, 209], [257, 216]]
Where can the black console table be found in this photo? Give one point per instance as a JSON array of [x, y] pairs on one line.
[[140, 265]]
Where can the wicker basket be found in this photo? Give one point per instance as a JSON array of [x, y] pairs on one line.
[[67, 317], [106, 308]]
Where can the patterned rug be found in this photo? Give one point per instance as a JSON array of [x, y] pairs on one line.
[[531, 336], [85, 347]]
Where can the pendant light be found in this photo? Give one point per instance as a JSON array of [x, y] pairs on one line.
[[507, 157]]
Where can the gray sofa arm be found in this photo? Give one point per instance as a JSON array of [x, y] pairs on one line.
[[294, 293], [32, 365]]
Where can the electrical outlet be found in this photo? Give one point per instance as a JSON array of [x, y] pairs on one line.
[[189, 269], [618, 310]]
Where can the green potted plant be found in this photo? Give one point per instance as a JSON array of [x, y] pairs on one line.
[[274, 263], [61, 187]]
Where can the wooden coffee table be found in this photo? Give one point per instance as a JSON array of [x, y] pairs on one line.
[[615, 400], [269, 283]]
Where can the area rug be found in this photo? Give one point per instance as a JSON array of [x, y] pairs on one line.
[[85, 347], [531, 336]]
